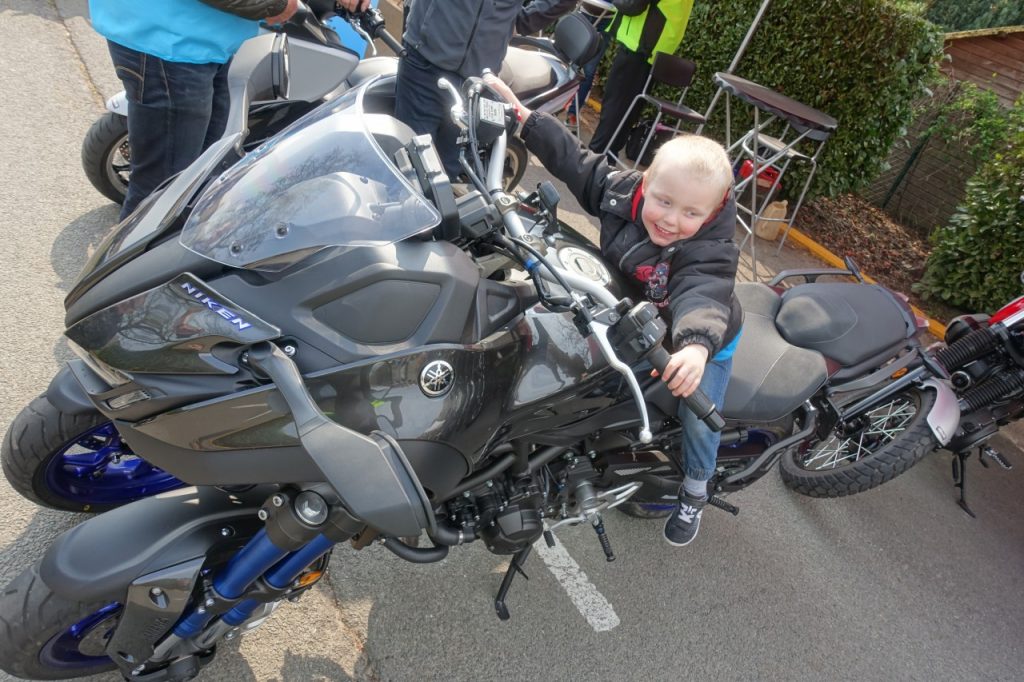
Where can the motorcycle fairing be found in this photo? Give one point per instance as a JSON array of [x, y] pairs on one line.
[[155, 215], [95, 560], [172, 329], [324, 181]]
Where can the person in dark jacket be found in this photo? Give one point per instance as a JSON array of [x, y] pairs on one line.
[[670, 229], [659, 27], [454, 39], [172, 57]]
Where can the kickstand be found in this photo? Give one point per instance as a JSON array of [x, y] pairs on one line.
[[960, 480], [516, 566]]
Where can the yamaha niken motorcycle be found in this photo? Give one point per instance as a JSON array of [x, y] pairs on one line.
[[304, 334], [984, 356], [545, 73]]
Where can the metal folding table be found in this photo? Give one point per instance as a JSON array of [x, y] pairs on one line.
[[802, 138]]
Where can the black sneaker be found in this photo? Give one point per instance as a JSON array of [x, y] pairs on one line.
[[681, 528]]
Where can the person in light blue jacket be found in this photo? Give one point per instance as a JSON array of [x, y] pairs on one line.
[[172, 56]]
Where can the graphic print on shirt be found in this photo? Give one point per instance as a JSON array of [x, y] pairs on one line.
[[655, 278]]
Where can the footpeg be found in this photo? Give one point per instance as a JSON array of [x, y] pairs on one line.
[[716, 501], [996, 456], [549, 538]]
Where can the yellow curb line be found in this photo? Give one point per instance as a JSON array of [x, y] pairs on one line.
[[935, 328], [595, 104]]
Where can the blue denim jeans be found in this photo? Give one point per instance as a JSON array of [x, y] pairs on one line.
[[175, 111], [700, 444], [425, 108]]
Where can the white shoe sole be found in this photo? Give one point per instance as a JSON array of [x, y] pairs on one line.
[[693, 537]]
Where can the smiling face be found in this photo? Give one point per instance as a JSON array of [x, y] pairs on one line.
[[684, 187], [676, 205]]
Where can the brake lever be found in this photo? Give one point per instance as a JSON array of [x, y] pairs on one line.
[[358, 28], [600, 330], [458, 109]]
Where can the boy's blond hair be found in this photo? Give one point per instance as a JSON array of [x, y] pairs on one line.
[[703, 158]]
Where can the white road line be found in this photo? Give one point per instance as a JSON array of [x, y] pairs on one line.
[[590, 603]]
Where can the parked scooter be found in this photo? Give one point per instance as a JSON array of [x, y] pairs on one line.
[[545, 72], [305, 335]]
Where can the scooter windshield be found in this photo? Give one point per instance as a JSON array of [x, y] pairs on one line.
[[323, 181]]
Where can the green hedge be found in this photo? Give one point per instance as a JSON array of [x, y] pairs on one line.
[[965, 15], [861, 61], [979, 256]]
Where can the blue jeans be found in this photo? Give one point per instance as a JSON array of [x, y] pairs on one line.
[[700, 444], [175, 111], [425, 108]]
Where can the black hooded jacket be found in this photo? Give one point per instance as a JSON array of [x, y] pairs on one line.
[[701, 270]]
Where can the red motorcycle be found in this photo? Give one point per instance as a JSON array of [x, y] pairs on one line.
[[984, 356]]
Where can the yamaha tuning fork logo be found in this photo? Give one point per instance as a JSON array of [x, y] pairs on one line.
[[437, 378]]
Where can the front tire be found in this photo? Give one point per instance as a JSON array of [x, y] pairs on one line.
[[516, 160], [865, 452], [106, 156], [75, 462], [44, 636]]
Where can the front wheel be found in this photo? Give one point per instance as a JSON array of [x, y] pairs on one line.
[[76, 462], [864, 452], [48, 637], [516, 159], [106, 156]]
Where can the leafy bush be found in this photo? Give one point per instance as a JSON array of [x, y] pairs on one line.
[[863, 62], [978, 257], [965, 15]]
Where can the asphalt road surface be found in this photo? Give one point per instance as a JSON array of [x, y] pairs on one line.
[[894, 584]]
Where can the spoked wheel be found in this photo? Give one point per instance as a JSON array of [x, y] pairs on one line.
[[106, 156], [866, 451], [76, 462], [49, 637]]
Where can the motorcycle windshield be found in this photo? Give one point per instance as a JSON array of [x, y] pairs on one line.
[[323, 181]]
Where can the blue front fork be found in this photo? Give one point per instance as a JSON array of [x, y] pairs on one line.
[[259, 557]]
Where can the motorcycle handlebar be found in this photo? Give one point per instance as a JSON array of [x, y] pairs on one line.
[[696, 402], [372, 22]]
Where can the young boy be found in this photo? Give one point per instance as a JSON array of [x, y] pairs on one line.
[[671, 229]]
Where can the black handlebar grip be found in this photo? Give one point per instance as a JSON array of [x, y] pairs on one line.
[[392, 44], [696, 402]]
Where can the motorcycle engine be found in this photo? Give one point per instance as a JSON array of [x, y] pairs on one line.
[[512, 529]]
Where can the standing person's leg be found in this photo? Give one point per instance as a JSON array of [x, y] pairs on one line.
[[590, 68], [169, 108], [626, 80], [424, 107], [700, 451], [220, 107]]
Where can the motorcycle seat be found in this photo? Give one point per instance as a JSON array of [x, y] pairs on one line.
[[847, 322], [770, 377], [372, 66], [527, 72]]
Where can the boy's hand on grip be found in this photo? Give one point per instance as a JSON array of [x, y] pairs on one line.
[[684, 370]]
